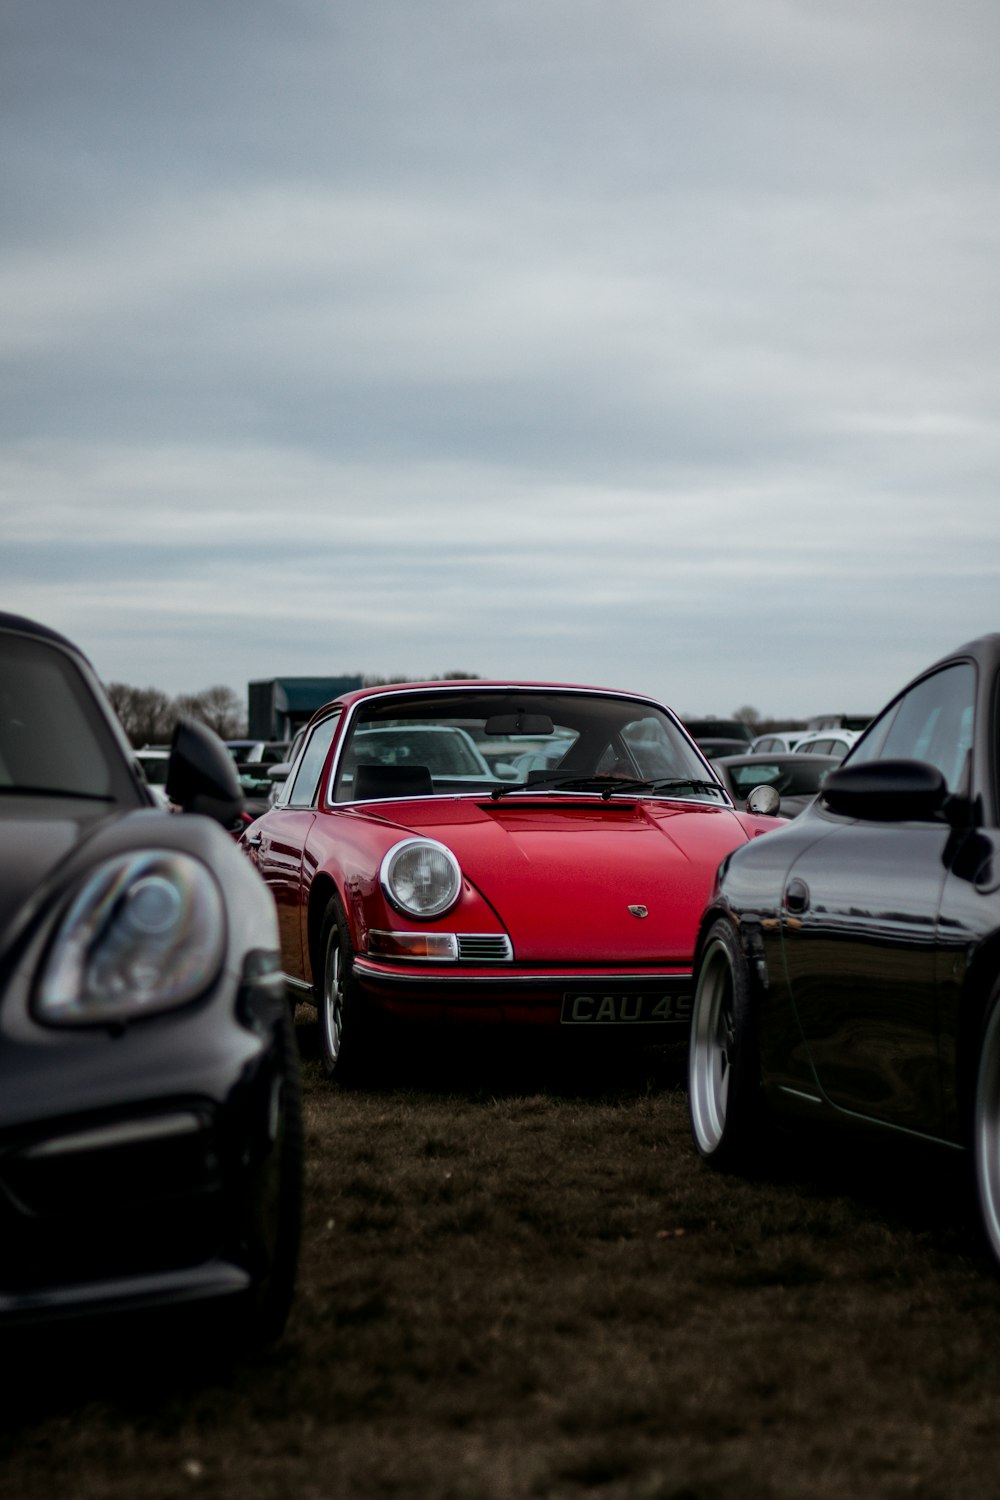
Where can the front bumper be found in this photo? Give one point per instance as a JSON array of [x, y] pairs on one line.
[[507, 995], [146, 1198]]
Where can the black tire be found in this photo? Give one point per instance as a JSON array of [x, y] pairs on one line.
[[724, 1100], [273, 1228], [986, 1128], [346, 1024]]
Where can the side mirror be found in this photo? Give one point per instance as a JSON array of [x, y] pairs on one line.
[[885, 791], [764, 801], [201, 775]]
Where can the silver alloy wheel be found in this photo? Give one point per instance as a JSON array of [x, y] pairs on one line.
[[332, 1012], [709, 1070], [986, 1133]]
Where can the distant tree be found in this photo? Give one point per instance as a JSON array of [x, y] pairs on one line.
[[218, 707], [147, 715], [747, 715]]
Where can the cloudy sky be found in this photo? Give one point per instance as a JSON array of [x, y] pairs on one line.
[[650, 343]]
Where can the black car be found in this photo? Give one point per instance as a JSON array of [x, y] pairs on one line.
[[150, 1113], [848, 965], [718, 737]]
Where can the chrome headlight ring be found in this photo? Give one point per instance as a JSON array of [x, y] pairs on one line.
[[143, 933], [420, 878]]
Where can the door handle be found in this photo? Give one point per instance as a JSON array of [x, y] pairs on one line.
[[796, 897]]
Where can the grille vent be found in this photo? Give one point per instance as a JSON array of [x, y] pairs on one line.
[[485, 948]]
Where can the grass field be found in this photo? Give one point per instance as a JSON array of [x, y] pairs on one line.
[[520, 1281]]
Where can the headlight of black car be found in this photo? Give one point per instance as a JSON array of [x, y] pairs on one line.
[[145, 932], [421, 877]]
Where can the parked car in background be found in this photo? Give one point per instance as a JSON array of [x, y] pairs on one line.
[[257, 752], [150, 1126], [411, 886], [154, 761], [796, 778], [848, 968], [776, 741], [827, 742], [715, 737]]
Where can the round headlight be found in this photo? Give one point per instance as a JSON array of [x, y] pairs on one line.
[[421, 877], [143, 933]]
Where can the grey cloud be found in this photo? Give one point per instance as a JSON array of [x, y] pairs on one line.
[[624, 341]]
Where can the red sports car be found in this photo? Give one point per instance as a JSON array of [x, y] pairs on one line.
[[481, 852]]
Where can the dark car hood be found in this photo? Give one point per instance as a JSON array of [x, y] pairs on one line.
[[37, 836]]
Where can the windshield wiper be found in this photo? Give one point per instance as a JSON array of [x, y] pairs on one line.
[[552, 784], [663, 784], [608, 786]]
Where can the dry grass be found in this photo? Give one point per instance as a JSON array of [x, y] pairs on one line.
[[521, 1282]]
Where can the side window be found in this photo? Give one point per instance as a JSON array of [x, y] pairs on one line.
[[933, 722], [310, 767]]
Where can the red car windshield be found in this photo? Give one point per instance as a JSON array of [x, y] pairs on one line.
[[421, 743]]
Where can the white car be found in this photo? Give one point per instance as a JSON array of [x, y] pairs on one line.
[[827, 742], [776, 742], [153, 761]]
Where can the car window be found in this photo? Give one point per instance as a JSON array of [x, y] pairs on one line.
[[305, 786], [53, 737], [933, 722]]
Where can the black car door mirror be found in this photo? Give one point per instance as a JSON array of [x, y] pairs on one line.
[[201, 775], [885, 791]]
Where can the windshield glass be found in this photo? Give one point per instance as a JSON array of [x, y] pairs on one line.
[[53, 736], [506, 740]]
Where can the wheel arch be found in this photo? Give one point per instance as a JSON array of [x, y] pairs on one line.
[[322, 890], [981, 982], [712, 913]]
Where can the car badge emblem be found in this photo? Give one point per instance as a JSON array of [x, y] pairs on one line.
[[639, 911]]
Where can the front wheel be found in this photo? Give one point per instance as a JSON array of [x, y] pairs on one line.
[[347, 1031], [723, 1067], [986, 1129]]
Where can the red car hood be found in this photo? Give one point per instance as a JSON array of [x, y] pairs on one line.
[[563, 877]]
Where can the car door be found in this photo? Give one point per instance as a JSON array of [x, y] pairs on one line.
[[860, 924], [279, 839]]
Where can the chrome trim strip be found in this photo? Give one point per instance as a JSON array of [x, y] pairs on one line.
[[298, 984], [783, 1088], [548, 980], [125, 1133], [216, 1278]]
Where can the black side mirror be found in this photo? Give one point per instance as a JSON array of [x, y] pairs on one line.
[[201, 775], [886, 791]]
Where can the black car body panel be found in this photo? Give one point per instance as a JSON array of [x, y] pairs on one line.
[[872, 942], [144, 1155]]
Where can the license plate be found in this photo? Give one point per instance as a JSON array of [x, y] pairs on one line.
[[625, 1010]]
